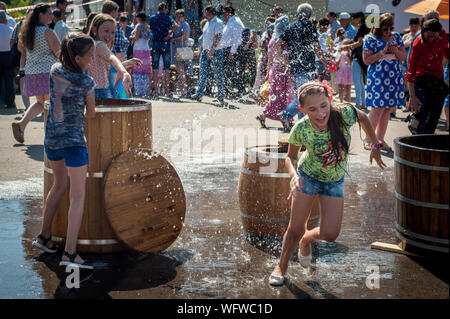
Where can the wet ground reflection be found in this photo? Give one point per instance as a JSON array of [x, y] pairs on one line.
[[212, 258]]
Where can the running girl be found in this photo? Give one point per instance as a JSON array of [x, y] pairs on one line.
[[325, 132]]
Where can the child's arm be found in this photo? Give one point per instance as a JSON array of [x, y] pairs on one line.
[[53, 42], [290, 163], [109, 57], [370, 132], [90, 105]]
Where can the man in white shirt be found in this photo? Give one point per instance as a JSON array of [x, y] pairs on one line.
[[6, 67], [11, 21], [212, 55], [61, 28], [231, 39]]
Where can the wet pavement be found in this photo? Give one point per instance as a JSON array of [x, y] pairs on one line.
[[212, 258]]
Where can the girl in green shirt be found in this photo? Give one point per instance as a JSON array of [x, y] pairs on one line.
[[325, 132]]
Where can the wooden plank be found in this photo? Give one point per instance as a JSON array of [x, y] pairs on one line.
[[391, 248]]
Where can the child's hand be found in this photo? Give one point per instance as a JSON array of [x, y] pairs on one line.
[[376, 154], [127, 83], [296, 186]]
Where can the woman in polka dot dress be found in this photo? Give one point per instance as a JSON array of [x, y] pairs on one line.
[[383, 52]]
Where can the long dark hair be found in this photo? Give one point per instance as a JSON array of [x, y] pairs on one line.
[[27, 31], [73, 44], [336, 123]]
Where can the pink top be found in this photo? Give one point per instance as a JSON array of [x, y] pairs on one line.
[[99, 70]]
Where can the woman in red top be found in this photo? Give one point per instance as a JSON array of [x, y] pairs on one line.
[[425, 77]]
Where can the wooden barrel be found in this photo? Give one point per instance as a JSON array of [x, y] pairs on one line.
[[263, 190], [119, 125], [422, 191]]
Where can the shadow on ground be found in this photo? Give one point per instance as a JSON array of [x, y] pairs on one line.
[[116, 272]]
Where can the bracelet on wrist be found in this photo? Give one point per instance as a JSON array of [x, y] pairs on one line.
[[376, 146]]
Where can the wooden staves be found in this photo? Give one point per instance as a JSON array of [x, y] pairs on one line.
[[144, 200], [263, 190], [422, 191]]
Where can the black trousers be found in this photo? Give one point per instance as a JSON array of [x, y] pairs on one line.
[[7, 75], [431, 92], [244, 59]]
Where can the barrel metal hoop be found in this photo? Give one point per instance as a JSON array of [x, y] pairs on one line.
[[88, 174], [420, 166], [421, 245], [421, 236], [122, 109], [420, 203], [96, 242], [274, 175], [274, 220], [267, 154]]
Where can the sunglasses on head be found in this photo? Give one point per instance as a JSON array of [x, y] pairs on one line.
[[388, 29]]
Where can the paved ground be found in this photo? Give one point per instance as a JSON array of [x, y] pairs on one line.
[[211, 258]]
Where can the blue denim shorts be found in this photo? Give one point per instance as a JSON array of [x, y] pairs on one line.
[[312, 186], [75, 156], [160, 49]]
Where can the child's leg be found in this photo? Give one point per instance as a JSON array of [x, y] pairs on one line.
[[33, 111], [348, 91], [300, 210], [54, 196], [341, 92], [331, 210], [77, 194]]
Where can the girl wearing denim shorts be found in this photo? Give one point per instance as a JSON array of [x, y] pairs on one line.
[[325, 132], [65, 144]]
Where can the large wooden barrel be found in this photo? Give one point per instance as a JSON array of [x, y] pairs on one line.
[[263, 190], [422, 191], [119, 125]]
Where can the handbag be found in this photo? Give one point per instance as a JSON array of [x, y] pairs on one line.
[[184, 53]]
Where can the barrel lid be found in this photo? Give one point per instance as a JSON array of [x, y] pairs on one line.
[[144, 200]]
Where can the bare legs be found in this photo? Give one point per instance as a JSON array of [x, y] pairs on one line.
[[344, 93], [379, 117], [331, 209], [77, 195], [33, 111]]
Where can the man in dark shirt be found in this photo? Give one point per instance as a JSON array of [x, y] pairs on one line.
[[246, 57], [163, 26], [302, 39]]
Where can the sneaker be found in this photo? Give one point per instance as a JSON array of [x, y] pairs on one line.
[[21, 74], [196, 98]]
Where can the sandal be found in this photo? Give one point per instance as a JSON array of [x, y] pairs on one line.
[[262, 121], [17, 132], [43, 246], [366, 145], [72, 262], [412, 129]]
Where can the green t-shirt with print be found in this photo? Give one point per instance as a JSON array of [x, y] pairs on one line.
[[318, 161]]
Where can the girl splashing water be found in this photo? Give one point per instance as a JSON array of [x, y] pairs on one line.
[[325, 132]]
